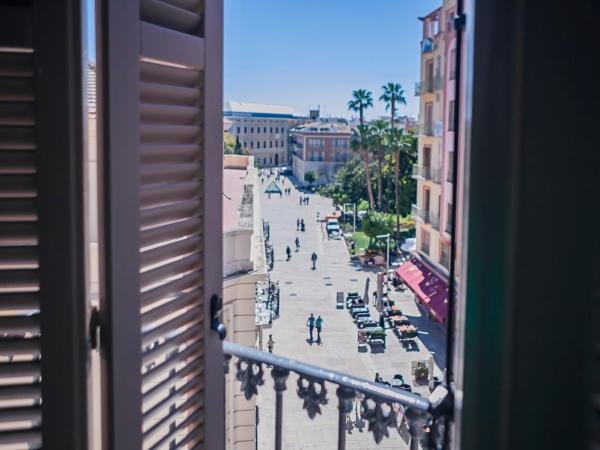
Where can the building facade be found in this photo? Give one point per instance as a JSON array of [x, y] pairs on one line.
[[262, 130], [243, 267], [321, 146]]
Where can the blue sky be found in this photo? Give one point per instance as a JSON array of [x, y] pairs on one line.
[[304, 53]]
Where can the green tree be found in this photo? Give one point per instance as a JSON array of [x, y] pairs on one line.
[[394, 94], [360, 143], [228, 143], [361, 100], [399, 144], [310, 177], [376, 223], [378, 130]]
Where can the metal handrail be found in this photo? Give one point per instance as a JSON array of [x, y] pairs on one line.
[[350, 381], [425, 417]]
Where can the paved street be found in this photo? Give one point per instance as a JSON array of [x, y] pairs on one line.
[[304, 291]]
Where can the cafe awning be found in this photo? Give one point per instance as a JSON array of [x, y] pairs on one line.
[[430, 289]]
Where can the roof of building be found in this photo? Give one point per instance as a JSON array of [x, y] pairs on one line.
[[246, 109], [234, 181], [323, 127]]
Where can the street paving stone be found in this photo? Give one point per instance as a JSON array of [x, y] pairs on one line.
[[338, 351]]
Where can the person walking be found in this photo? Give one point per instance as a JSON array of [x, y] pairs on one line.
[[297, 241], [288, 251], [313, 258], [270, 343], [301, 224], [298, 224], [310, 323], [300, 200], [319, 324]]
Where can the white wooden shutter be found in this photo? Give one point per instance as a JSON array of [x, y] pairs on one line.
[[42, 300], [162, 227]]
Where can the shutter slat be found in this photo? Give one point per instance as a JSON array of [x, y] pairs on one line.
[[18, 233], [184, 300], [169, 153], [17, 138], [159, 389], [16, 64], [165, 94], [8, 416], [195, 417], [18, 210], [16, 114], [162, 423], [20, 325], [25, 393], [193, 385], [170, 344], [169, 213], [187, 318], [187, 281], [171, 269], [18, 281], [167, 114], [21, 439], [162, 44], [152, 195], [18, 370], [170, 15], [18, 258], [159, 371], [19, 301], [167, 251], [17, 186], [162, 173], [162, 233], [16, 89], [29, 347]]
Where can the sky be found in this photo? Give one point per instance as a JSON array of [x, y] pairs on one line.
[[306, 53]]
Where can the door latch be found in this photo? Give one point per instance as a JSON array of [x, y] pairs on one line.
[[216, 308]]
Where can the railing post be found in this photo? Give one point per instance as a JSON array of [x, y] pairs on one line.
[[345, 401], [279, 376]]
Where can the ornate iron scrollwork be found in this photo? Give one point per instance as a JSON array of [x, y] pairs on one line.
[[279, 378], [376, 416], [313, 398], [249, 377]]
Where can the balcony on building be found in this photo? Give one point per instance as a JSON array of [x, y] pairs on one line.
[[426, 86], [428, 45], [450, 171], [426, 129], [437, 82], [445, 257], [449, 222], [434, 219], [420, 213], [427, 173]]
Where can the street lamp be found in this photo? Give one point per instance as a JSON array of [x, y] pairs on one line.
[[353, 216], [387, 259]]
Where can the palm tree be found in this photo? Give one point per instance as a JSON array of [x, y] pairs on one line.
[[399, 143], [378, 130], [392, 94], [361, 100], [360, 143]]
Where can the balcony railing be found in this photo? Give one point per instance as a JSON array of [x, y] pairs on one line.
[[449, 227], [427, 173], [445, 259], [424, 87], [437, 82], [426, 128], [383, 407], [434, 219], [421, 213]]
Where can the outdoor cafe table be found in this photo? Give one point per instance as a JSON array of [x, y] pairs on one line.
[[400, 319]]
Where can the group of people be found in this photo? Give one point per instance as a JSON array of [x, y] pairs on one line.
[[287, 192], [313, 323], [304, 199], [299, 224]]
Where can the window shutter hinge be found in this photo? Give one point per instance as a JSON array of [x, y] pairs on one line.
[[94, 328], [216, 308], [459, 22]]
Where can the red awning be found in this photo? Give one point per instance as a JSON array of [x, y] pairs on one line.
[[430, 289]]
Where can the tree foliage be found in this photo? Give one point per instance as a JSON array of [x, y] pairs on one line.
[[377, 223], [310, 176]]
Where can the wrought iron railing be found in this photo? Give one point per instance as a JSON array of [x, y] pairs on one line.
[[426, 128], [382, 406], [421, 213], [435, 221]]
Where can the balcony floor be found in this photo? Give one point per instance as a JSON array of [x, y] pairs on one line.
[[304, 291]]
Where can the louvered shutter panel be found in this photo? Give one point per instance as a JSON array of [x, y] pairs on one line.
[[161, 122], [42, 297]]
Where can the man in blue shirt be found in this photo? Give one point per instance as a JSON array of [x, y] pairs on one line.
[[310, 323]]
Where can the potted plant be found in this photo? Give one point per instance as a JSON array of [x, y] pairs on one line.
[[421, 371]]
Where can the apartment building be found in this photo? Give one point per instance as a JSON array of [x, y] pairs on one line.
[[262, 130], [321, 146], [243, 267], [434, 171]]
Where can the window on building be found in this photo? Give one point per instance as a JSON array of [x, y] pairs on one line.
[[251, 129], [452, 74], [258, 144], [264, 144], [245, 130], [264, 129], [251, 144], [276, 129], [270, 144], [451, 116], [245, 145], [238, 130], [271, 130]]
